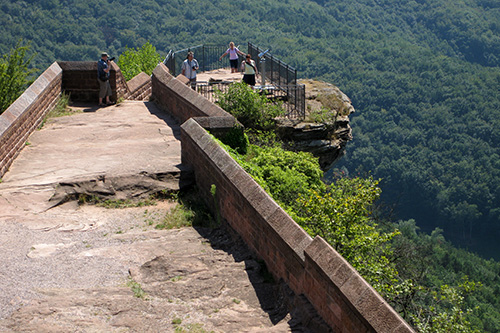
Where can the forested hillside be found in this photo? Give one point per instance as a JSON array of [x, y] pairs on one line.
[[423, 75]]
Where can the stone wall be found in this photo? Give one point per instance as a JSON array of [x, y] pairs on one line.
[[179, 99], [310, 267], [139, 87], [26, 113], [80, 81]]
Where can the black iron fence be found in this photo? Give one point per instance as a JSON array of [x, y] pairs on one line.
[[277, 72], [283, 78], [206, 55], [291, 97], [209, 89]]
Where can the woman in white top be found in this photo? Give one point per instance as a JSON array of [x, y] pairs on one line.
[[233, 56], [250, 70]]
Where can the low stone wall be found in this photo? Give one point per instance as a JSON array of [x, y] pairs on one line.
[[139, 87], [80, 81], [26, 114], [309, 266], [179, 99]]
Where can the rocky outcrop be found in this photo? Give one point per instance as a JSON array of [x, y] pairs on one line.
[[325, 130]]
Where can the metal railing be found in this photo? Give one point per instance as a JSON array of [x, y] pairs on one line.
[[282, 76], [277, 72], [291, 97], [296, 98], [206, 55]]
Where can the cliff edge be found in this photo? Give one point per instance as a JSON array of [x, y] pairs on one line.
[[325, 130]]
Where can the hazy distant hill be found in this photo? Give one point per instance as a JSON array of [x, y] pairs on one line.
[[423, 76]]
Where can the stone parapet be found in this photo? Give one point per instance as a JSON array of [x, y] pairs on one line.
[[309, 267], [139, 87], [76, 78], [80, 81], [26, 114], [173, 95]]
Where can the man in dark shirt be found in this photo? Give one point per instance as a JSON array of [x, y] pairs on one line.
[[103, 68]]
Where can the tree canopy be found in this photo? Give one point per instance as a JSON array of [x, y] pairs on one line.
[[14, 75]]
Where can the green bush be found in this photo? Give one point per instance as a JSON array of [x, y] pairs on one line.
[[236, 139], [250, 108], [286, 174]]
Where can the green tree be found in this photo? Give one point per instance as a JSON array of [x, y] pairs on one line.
[[143, 59], [14, 75], [343, 216], [447, 314]]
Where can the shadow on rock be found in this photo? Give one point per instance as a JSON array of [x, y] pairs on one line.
[[275, 297]]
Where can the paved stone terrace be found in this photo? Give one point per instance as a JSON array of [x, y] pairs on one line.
[[223, 74]]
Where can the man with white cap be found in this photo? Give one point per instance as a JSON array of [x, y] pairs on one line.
[[103, 68]]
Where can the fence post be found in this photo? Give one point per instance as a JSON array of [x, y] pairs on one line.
[[287, 74], [173, 67]]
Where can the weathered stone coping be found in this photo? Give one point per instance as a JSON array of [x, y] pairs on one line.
[[26, 113]]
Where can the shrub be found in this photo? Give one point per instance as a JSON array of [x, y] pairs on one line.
[[250, 108], [236, 139], [286, 174]]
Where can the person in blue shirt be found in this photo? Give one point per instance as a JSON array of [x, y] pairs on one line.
[[189, 68], [103, 67]]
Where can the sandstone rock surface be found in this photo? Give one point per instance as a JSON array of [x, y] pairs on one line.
[[83, 268]]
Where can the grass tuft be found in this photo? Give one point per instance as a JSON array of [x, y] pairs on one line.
[[61, 109], [136, 288], [177, 217]]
